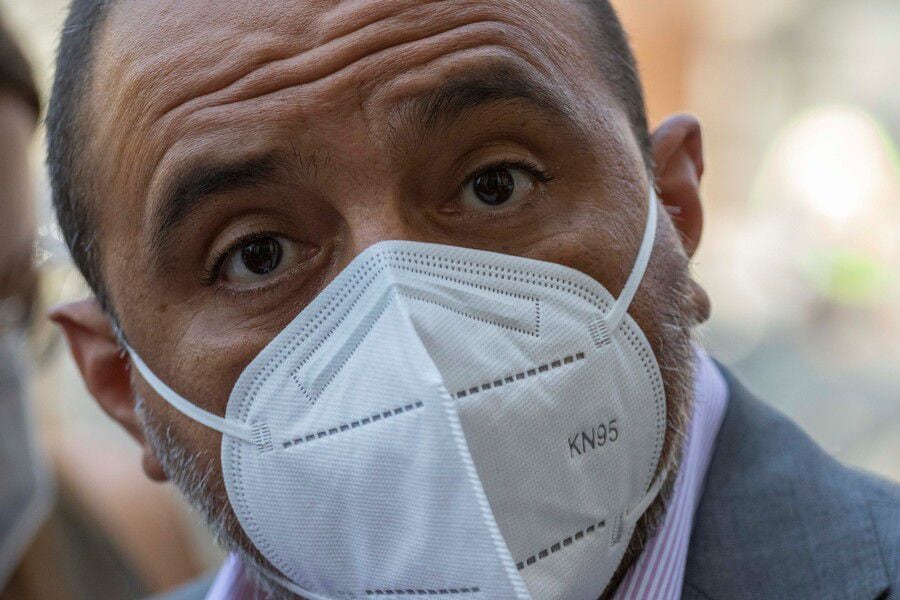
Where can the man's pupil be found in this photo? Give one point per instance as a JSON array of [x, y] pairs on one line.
[[261, 256], [494, 187]]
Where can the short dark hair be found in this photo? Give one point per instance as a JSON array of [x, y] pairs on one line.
[[67, 130], [619, 67], [67, 134], [15, 72]]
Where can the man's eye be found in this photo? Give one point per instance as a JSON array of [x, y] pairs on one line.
[[258, 259], [497, 186]]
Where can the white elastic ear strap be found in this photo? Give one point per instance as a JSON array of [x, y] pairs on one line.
[[224, 426], [615, 316]]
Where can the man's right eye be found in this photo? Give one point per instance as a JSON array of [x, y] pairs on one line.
[[258, 259]]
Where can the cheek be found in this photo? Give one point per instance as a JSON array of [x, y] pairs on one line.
[[603, 244], [592, 239], [209, 352], [667, 274], [664, 312], [201, 447], [173, 430]]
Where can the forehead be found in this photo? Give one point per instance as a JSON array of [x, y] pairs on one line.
[[164, 59], [204, 34], [174, 79]]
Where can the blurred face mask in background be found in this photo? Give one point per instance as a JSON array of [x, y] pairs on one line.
[[26, 485], [442, 420]]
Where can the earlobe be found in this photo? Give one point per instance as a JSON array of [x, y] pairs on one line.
[[103, 367], [677, 148], [152, 467]]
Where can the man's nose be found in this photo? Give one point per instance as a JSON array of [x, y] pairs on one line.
[[386, 222]]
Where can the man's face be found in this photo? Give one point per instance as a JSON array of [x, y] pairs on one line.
[[245, 152]]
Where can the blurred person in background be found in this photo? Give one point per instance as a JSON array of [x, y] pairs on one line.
[[210, 197], [25, 498], [51, 547], [20, 106]]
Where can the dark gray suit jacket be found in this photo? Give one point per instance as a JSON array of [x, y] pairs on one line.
[[779, 518]]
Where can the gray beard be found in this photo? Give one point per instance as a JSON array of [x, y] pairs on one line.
[[675, 354], [674, 349], [193, 481]]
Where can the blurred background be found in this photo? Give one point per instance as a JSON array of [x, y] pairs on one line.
[[800, 101]]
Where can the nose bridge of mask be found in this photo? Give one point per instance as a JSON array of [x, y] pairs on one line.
[[504, 311]]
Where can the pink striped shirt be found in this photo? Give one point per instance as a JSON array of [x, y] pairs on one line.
[[658, 572]]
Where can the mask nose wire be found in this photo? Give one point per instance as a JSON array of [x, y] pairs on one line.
[[230, 428], [617, 313]]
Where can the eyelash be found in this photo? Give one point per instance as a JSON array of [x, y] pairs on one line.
[[212, 273], [538, 173]]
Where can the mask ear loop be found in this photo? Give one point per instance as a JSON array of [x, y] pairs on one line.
[[224, 426], [620, 308]]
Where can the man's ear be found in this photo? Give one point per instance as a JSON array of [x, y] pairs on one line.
[[104, 368], [677, 148]]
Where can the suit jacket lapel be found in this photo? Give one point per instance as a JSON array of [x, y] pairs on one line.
[[778, 517]]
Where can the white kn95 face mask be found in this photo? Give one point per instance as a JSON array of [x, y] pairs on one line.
[[447, 421]]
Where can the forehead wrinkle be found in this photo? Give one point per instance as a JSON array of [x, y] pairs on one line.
[[254, 59], [490, 83], [130, 77], [255, 55], [379, 64], [469, 29], [361, 85], [306, 64], [413, 115]]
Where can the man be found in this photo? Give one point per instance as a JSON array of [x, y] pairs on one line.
[[227, 179]]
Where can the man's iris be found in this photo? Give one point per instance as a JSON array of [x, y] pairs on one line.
[[262, 256], [494, 187]]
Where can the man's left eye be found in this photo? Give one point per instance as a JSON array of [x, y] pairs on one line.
[[259, 259], [497, 186]]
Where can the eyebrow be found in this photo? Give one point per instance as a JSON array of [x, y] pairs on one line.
[[189, 188], [441, 107], [422, 114]]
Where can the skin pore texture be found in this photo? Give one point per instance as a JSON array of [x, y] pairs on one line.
[[331, 126]]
